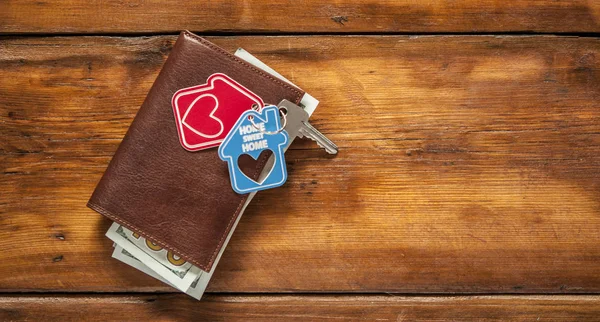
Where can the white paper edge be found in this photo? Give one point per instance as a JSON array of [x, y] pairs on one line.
[[310, 105]]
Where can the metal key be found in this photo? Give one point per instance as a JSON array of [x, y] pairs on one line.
[[298, 126]]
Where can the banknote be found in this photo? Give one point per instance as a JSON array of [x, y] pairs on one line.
[[196, 289], [198, 286], [166, 257], [169, 266], [166, 266], [124, 256]]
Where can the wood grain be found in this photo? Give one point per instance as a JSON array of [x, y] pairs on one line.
[[299, 308], [262, 16], [467, 164]]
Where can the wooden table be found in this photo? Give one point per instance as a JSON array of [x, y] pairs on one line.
[[466, 188]]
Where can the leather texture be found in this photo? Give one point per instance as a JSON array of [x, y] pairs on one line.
[[181, 200]]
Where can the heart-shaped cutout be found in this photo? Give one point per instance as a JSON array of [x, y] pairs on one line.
[[200, 115], [248, 165]]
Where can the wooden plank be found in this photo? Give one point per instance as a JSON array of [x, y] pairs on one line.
[[274, 16], [467, 164], [299, 308]]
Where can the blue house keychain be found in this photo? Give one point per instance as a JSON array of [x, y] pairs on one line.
[[253, 133]]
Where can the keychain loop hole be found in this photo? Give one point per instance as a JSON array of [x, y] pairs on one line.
[[282, 111]]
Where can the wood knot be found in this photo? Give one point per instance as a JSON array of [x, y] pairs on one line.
[[340, 19]]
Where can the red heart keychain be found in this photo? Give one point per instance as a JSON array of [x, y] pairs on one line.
[[204, 114]]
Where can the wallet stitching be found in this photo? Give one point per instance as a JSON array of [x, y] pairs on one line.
[[236, 213], [243, 63], [130, 226], [260, 166]]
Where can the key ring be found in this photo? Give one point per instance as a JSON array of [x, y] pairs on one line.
[[282, 110]]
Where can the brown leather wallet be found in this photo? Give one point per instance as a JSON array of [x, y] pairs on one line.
[[181, 200]]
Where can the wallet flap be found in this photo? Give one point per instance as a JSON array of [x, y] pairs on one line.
[[181, 200]]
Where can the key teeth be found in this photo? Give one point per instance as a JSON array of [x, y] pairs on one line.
[[328, 150]]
